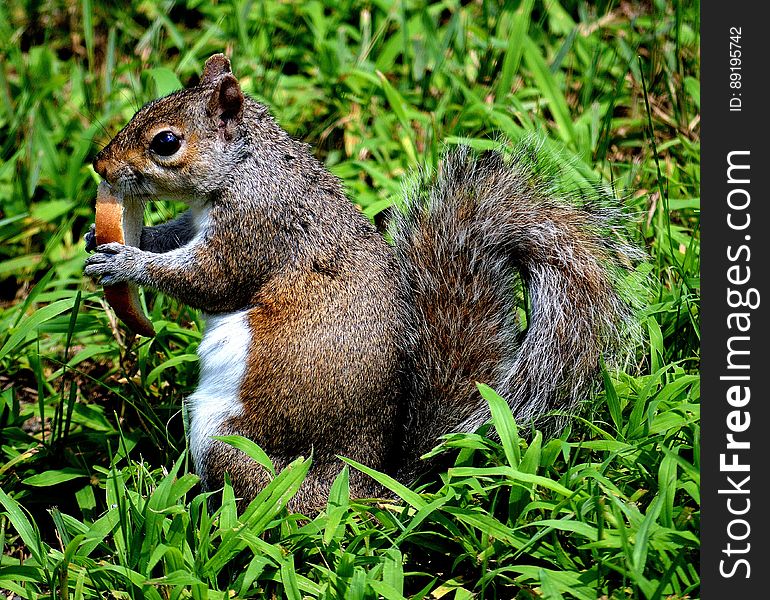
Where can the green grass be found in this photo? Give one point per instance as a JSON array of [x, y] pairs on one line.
[[96, 495]]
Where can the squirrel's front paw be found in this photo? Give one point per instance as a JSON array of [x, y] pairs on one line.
[[114, 263], [90, 238]]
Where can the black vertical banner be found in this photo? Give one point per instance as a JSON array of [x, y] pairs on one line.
[[735, 442]]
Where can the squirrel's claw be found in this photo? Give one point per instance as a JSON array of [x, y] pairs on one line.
[[113, 248], [90, 238], [112, 263]]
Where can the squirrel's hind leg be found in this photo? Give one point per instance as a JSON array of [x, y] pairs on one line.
[[249, 478]]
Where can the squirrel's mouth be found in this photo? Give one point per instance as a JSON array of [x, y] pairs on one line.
[[132, 185], [135, 186]]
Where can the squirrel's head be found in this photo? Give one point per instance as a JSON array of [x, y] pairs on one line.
[[186, 144]]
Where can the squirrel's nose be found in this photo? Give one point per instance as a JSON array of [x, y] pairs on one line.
[[100, 166]]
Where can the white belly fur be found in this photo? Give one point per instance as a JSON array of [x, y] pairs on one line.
[[222, 353]]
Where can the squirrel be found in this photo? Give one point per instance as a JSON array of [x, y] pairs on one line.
[[320, 336]]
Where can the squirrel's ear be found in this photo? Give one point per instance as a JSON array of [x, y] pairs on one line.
[[226, 100], [216, 66]]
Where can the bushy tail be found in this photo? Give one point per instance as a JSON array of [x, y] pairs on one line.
[[464, 241]]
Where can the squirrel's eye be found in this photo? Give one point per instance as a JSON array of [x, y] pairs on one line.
[[165, 143]]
